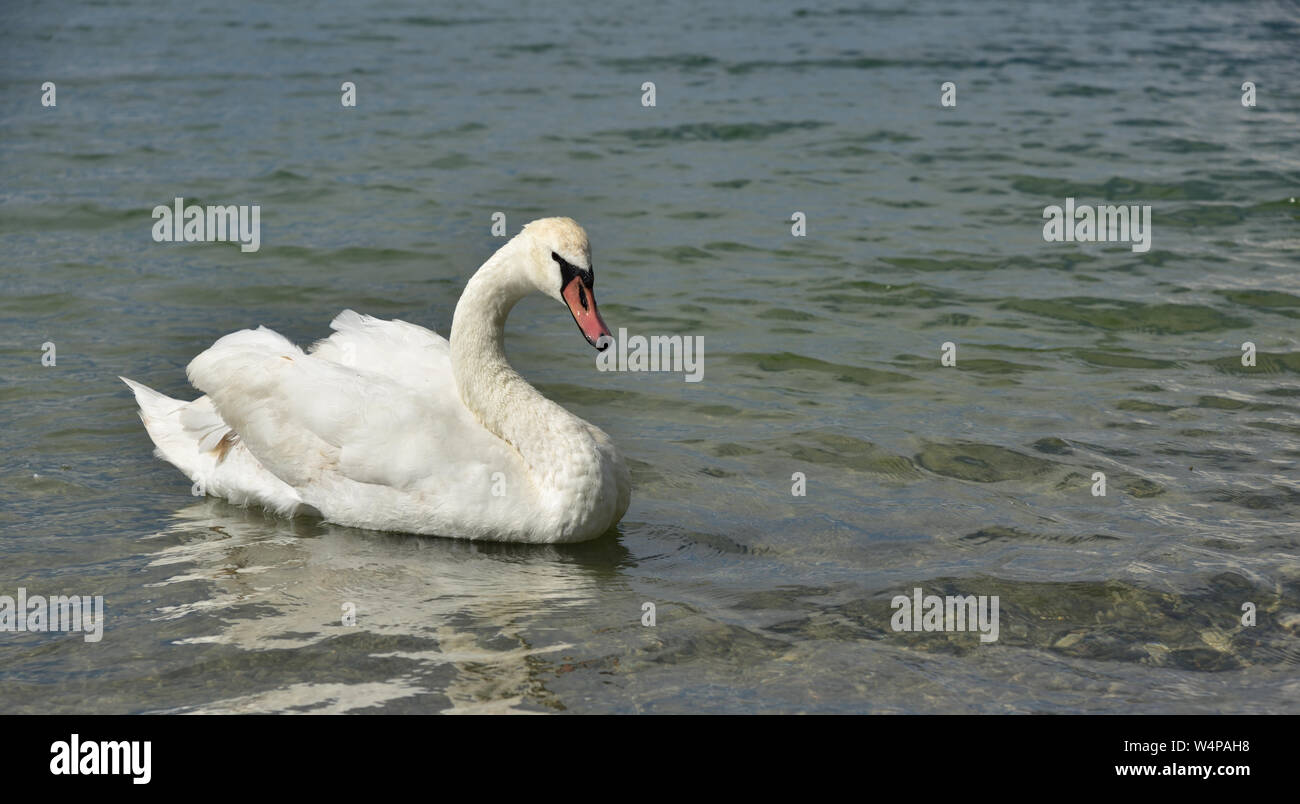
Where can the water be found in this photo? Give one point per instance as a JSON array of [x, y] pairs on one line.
[[822, 353]]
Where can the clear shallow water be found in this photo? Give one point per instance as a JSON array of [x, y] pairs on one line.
[[924, 226]]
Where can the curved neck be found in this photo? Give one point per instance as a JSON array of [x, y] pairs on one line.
[[504, 402]]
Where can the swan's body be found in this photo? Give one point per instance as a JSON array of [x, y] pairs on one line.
[[387, 425]]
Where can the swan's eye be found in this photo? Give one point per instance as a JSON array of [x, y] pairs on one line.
[[568, 271]]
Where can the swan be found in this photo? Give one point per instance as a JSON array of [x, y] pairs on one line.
[[387, 425]]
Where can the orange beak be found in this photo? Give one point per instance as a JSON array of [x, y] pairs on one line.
[[582, 303]]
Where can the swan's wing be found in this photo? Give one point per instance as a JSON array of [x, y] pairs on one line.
[[395, 421], [406, 353]]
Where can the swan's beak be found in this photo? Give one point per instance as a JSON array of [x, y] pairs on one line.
[[582, 303]]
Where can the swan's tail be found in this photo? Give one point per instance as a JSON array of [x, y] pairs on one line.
[[162, 419], [193, 437]]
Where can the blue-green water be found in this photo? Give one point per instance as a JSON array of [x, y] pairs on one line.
[[924, 226]]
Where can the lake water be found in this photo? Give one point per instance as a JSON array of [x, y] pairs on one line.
[[924, 226]]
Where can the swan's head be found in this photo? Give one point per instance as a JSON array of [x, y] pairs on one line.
[[560, 267]]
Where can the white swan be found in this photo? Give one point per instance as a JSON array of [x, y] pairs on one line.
[[386, 425]]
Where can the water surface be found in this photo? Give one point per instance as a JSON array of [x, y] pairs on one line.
[[822, 352]]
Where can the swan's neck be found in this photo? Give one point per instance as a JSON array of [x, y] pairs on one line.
[[553, 442]]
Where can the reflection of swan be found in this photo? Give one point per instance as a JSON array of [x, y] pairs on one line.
[[386, 425], [477, 627]]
